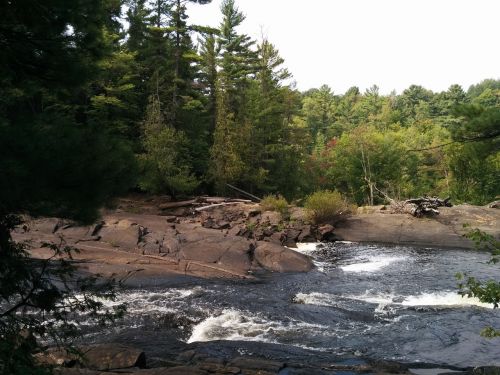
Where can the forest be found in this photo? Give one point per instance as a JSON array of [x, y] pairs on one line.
[[134, 92]]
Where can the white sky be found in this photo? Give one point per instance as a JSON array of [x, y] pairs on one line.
[[391, 43]]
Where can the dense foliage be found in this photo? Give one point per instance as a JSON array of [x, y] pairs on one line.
[[64, 152], [203, 107], [234, 117]]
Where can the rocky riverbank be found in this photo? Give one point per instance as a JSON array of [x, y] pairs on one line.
[[229, 241], [237, 358], [149, 245], [446, 230], [148, 239]]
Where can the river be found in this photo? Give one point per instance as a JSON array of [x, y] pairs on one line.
[[370, 301]]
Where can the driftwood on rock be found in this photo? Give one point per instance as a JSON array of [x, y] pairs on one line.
[[212, 201], [170, 205], [418, 207], [204, 208], [245, 193]]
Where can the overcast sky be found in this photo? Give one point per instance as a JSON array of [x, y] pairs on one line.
[[391, 43]]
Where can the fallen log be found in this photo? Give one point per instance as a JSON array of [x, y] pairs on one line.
[[170, 205], [217, 200], [204, 208], [419, 207], [245, 193], [434, 201]]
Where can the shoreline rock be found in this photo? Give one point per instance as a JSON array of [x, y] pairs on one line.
[[155, 245], [222, 357], [239, 240], [445, 230]]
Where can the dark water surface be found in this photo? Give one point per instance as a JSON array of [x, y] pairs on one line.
[[372, 301]]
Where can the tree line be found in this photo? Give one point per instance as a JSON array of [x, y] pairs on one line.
[[101, 96], [206, 107]]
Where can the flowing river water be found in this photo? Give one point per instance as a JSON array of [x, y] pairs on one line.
[[371, 301]]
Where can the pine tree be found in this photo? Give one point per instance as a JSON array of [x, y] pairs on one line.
[[238, 61], [271, 118], [230, 151], [137, 16], [227, 165], [208, 75], [55, 159], [166, 165]]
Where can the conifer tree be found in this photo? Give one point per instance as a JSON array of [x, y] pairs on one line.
[[272, 149], [229, 152], [208, 75], [166, 166], [59, 156], [227, 165]]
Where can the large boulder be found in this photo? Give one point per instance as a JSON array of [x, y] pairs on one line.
[[101, 357], [124, 234], [277, 258], [105, 357], [212, 247]]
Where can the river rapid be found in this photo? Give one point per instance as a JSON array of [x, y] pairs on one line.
[[369, 301]]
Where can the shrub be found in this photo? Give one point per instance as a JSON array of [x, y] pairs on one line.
[[328, 207], [275, 203]]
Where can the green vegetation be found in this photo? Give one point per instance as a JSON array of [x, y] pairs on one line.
[[276, 203], [64, 152], [198, 107], [328, 207], [487, 291]]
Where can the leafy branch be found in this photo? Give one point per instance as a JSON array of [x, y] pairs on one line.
[[486, 291], [45, 301]]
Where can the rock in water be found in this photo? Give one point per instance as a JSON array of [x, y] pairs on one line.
[[277, 258]]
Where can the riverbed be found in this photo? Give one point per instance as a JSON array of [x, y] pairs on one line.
[[368, 301]]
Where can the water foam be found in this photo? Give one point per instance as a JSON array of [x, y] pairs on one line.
[[306, 247], [437, 299], [373, 264], [444, 299], [240, 326], [319, 299], [140, 302]]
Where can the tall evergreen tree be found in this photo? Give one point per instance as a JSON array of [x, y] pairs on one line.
[[208, 75], [237, 67], [53, 158], [57, 157], [166, 164]]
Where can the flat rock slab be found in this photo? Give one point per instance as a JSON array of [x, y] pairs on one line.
[[445, 230], [142, 243], [257, 364], [179, 370]]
